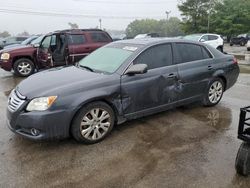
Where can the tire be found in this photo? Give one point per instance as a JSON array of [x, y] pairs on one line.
[[248, 49], [231, 44], [242, 43], [85, 126], [242, 162], [216, 88], [24, 67], [220, 49]]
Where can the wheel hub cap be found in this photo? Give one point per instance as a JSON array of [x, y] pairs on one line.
[[95, 124], [215, 92]]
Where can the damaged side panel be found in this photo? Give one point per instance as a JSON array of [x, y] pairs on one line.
[[143, 92]]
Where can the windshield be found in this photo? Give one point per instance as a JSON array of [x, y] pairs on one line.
[[192, 37], [28, 40], [105, 59], [37, 40]]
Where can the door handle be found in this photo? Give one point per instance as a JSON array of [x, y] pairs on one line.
[[172, 75], [210, 67], [87, 48]]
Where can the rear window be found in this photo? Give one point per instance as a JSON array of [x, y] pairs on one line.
[[212, 37], [77, 39], [100, 37], [19, 39]]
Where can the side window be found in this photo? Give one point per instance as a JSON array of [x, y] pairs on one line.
[[156, 56], [189, 52], [20, 39], [46, 42], [77, 39], [99, 37], [53, 40], [212, 37], [206, 54], [205, 37]]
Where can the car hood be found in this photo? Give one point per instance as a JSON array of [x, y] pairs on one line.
[[59, 81], [16, 48]]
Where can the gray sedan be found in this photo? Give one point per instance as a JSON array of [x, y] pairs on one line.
[[121, 81]]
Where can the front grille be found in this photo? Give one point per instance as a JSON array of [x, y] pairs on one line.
[[15, 101]]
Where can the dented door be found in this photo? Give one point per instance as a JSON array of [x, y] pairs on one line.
[[155, 88]]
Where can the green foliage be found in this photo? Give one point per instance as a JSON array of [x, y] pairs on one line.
[[170, 28], [196, 14], [231, 17]]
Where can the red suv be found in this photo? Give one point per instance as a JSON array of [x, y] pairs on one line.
[[55, 49]]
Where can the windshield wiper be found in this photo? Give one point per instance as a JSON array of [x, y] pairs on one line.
[[86, 67]]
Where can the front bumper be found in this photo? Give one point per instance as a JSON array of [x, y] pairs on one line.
[[6, 65], [50, 124]]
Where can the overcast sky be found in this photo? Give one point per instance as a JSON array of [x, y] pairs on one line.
[[42, 16]]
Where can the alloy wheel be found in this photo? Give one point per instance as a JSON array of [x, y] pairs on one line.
[[95, 124], [24, 68], [215, 92]]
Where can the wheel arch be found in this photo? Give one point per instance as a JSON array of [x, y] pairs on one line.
[[100, 99], [21, 57]]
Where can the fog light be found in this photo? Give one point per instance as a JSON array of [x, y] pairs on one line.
[[34, 132]]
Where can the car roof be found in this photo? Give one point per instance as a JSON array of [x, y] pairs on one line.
[[152, 41]]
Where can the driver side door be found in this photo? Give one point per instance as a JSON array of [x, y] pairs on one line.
[[44, 56]]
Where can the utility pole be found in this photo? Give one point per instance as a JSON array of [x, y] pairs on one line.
[[167, 13], [208, 17], [100, 21]]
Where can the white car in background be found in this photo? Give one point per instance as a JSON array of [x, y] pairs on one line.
[[248, 45], [212, 39]]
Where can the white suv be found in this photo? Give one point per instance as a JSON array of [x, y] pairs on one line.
[[212, 39]]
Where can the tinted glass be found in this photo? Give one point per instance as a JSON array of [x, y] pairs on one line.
[[106, 59], [194, 37], [77, 39], [155, 57], [21, 38], [212, 37], [46, 42], [206, 54], [189, 52], [99, 37]]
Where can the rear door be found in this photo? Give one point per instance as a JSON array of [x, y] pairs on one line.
[[194, 69], [78, 46], [154, 88]]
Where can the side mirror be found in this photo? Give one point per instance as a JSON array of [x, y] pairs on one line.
[[202, 40], [4, 41], [137, 69], [36, 45]]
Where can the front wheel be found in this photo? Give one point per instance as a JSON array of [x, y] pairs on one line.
[[93, 123], [242, 162], [242, 43], [214, 92], [24, 67]]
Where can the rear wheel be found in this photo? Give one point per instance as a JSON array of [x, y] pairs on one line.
[[242, 43], [214, 92], [93, 123], [242, 162], [24, 67]]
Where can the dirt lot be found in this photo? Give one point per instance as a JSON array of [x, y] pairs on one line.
[[185, 147], [236, 49]]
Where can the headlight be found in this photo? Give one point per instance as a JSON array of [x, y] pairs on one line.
[[5, 56], [41, 104]]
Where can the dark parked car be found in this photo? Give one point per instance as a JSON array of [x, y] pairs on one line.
[[240, 40], [11, 40], [56, 49], [24, 43], [121, 81]]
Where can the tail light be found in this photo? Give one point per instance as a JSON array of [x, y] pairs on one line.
[[235, 61]]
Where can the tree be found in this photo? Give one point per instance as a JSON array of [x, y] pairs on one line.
[[231, 17], [4, 34], [196, 14], [170, 28], [73, 25]]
